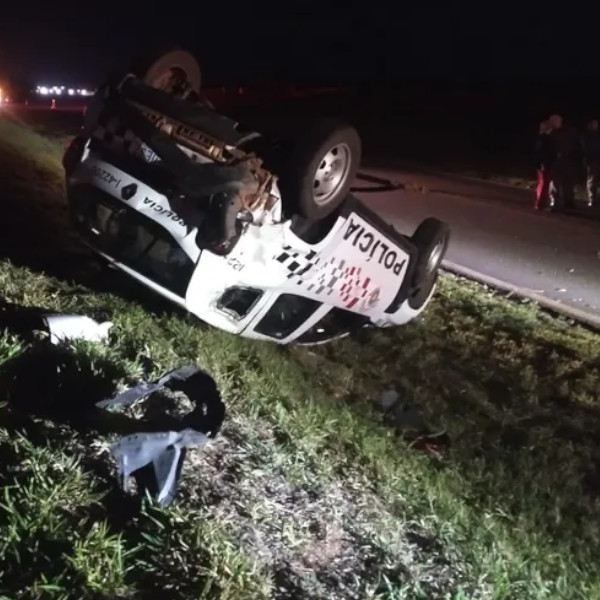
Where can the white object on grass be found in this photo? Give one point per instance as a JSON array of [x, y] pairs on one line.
[[70, 327]]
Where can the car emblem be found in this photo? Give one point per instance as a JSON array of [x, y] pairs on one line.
[[128, 192], [148, 154], [373, 298]]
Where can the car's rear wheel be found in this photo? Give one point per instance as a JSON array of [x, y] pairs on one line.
[[176, 72], [431, 239], [320, 169]]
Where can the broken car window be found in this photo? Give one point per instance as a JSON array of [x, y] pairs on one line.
[[238, 301], [286, 315]]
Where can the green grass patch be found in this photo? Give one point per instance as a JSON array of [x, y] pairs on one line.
[[308, 492]]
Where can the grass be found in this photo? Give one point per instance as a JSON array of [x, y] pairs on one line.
[[309, 491]]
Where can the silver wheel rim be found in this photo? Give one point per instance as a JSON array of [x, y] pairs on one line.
[[436, 256], [332, 173]]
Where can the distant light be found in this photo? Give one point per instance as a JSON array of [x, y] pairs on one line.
[[60, 89], [1, 97]]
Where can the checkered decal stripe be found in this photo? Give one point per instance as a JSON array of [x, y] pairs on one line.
[[355, 287], [297, 264], [330, 274], [111, 133], [347, 281]]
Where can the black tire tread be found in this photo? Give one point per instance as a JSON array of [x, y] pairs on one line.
[[425, 237]]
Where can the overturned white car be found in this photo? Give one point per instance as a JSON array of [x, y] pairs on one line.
[[256, 236]]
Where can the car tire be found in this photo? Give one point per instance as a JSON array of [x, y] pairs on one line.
[[158, 70], [431, 239], [320, 169]]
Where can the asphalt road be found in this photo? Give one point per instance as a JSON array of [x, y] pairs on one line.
[[496, 232]]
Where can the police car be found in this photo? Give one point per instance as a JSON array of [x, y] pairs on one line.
[[255, 236]]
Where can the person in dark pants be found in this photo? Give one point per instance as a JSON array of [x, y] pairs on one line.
[[544, 152], [564, 170], [590, 142]]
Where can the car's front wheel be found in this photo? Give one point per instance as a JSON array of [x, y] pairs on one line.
[[320, 169], [431, 239]]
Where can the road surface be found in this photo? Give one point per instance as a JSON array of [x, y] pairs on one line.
[[495, 232]]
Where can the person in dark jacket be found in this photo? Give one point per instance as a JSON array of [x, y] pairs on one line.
[[544, 152], [590, 142], [566, 147]]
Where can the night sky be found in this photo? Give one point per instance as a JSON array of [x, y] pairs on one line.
[[377, 41]]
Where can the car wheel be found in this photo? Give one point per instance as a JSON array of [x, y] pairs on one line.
[[320, 169], [431, 239], [176, 72]]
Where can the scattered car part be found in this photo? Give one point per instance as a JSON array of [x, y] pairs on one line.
[[64, 328], [61, 387], [59, 327], [155, 459]]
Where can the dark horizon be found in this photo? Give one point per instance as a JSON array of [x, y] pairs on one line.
[[236, 42]]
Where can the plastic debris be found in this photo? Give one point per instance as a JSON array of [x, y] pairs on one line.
[[161, 454], [155, 459], [26, 321], [63, 328]]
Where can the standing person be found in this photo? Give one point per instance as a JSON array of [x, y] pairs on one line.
[[562, 180], [590, 142], [545, 156]]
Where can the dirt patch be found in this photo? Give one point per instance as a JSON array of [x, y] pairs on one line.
[[331, 537]]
